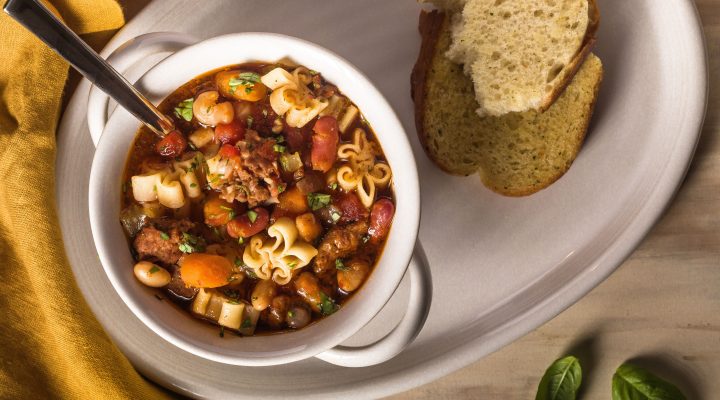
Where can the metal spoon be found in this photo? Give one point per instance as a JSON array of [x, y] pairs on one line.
[[48, 28]]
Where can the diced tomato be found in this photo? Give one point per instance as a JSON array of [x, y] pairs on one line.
[[324, 143], [228, 151], [381, 216], [249, 223], [350, 207], [172, 145], [230, 133]]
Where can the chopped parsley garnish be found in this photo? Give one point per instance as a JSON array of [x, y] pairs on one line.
[[193, 185], [336, 215], [327, 305], [241, 240], [250, 121], [164, 236], [340, 265], [292, 264], [246, 323], [333, 186], [291, 314], [317, 201], [184, 109], [279, 148], [229, 210], [313, 72], [154, 269], [252, 216], [191, 244], [279, 138], [247, 79], [281, 187]]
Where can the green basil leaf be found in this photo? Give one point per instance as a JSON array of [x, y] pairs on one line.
[[634, 383], [561, 380]]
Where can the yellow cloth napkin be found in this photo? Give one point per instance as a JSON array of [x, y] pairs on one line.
[[51, 346]]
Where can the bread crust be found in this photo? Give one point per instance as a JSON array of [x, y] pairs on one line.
[[572, 68], [430, 25], [527, 191]]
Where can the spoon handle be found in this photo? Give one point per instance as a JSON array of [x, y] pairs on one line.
[[48, 28]]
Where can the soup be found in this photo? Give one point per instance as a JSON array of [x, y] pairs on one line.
[[266, 207]]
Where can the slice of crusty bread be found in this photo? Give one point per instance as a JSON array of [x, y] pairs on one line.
[[517, 154], [520, 54]]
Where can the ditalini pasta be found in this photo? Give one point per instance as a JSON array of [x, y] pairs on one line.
[[266, 207], [168, 187]]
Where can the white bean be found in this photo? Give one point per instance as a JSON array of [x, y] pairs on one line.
[[262, 294], [151, 275]]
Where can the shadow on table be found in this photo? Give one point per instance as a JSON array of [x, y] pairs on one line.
[[585, 348]]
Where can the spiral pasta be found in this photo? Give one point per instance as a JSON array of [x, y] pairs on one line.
[[276, 257], [362, 172], [291, 97]]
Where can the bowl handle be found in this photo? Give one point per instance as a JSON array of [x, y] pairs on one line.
[[124, 57], [404, 333]]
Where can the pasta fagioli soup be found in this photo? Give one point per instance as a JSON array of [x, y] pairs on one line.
[[268, 205]]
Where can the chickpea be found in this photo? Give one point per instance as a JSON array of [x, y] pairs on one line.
[[278, 311], [209, 112], [262, 294], [308, 227], [353, 275], [308, 288], [331, 177], [151, 275]]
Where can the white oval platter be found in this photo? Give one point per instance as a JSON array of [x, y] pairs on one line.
[[501, 266]]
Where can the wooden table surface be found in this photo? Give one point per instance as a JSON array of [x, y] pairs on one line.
[[660, 309]]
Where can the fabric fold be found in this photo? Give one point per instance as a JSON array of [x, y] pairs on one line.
[[52, 345]]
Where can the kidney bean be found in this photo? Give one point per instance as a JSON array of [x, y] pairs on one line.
[[230, 133], [350, 207], [325, 141], [381, 216], [249, 223]]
